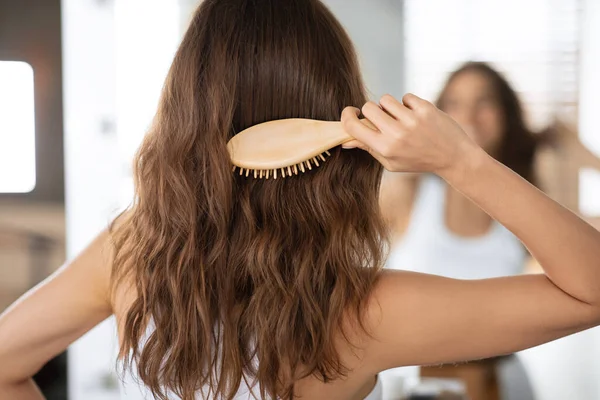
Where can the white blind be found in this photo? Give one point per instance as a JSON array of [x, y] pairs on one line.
[[534, 43]]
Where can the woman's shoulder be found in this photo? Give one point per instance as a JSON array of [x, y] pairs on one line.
[[121, 284]]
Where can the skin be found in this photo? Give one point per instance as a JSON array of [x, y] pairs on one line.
[[414, 319]]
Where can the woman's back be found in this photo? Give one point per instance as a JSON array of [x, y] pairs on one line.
[[360, 384]]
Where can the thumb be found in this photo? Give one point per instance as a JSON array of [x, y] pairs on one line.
[[352, 144]]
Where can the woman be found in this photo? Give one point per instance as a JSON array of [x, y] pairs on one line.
[[220, 283], [438, 230]]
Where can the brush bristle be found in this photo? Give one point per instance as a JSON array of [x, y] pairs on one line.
[[284, 171]]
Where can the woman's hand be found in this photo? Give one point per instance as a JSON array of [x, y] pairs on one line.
[[412, 136]]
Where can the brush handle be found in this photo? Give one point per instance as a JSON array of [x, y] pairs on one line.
[[339, 135]]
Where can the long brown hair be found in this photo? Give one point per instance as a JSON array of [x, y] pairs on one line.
[[245, 279], [519, 143]]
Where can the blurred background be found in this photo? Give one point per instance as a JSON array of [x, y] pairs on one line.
[[80, 80]]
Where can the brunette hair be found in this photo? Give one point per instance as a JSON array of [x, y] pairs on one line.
[[242, 278], [519, 144]]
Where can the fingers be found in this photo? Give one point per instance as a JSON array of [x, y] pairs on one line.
[[355, 128], [366, 138], [377, 116], [351, 144], [395, 108], [413, 102]]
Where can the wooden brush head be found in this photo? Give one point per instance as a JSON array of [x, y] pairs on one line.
[[285, 146]]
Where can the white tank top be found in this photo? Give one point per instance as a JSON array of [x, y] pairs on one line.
[[429, 247]]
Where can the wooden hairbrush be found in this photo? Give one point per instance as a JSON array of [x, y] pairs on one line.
[[285, 147]]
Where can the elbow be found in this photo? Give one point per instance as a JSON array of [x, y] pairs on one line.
[[590, 297], [590, 318]]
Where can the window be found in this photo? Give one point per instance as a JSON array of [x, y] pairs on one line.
[[17, 128], [535, 43]]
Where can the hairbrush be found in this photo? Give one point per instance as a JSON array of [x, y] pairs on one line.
[[285, 147]]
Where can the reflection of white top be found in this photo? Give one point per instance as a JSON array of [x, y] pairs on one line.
[[429, 247]]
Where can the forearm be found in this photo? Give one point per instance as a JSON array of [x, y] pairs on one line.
[[25, 390], [566, 247]]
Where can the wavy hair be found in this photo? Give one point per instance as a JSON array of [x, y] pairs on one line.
[[519, 144], [243, 279]]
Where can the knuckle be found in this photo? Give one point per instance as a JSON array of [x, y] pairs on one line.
[[397, 126], [386, 151], [401, 140], [427, 108], [422, 112], [411, 123]]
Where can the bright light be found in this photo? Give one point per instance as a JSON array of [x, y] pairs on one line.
[[17, 128]]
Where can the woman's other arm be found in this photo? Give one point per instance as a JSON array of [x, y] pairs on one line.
[[44, 321]]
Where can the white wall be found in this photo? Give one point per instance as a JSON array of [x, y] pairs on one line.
[[570, 368], [115, 60], [91, 167], [376, 28], [144, 55], [589, 131], [589, 118]]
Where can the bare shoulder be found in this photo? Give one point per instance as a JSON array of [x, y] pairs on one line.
[[98, 258], [121, 287]]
